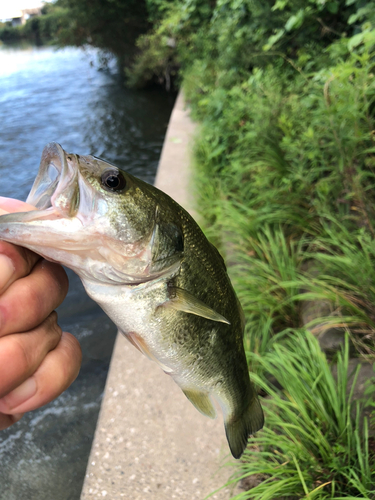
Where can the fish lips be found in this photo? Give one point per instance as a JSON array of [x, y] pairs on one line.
[[57, 181]]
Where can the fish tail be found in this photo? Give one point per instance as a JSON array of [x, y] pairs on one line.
[[239, 427]]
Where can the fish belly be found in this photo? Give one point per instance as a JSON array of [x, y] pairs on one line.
[[195, 351]]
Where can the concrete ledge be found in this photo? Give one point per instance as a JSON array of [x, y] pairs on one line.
[[150, 442]]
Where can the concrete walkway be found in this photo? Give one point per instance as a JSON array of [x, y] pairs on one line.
[[150, 442]]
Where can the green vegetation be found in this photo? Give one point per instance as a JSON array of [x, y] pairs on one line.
[[284, 177], [111, 25], [40, 30], [312, 446]]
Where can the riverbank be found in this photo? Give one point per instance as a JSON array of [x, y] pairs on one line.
[[150, 442]]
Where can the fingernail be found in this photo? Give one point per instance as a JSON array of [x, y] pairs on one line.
[[18, 396], [6, 271]]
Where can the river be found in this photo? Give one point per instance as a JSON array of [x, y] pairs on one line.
[[63, 96]]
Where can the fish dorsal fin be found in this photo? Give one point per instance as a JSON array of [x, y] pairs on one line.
[[181, 300], [201, 401]]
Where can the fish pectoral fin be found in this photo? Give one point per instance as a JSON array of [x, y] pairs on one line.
[[184, 301], [142, 347], [201, 401]]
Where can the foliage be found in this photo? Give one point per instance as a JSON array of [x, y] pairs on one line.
[[157, 59], [45, 28], [314, 444], [111, 25], [235, 36], [39, 29], [287, 165], [284, 175], [9, 34]]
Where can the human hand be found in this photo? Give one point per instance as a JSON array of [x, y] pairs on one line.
[[37, 360]]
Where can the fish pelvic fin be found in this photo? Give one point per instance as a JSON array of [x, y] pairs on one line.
[[239, 428], [137, 341], [201, 401], [184, 301]]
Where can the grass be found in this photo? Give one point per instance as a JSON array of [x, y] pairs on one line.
[[285, 178], [315, 443], [295, 220]]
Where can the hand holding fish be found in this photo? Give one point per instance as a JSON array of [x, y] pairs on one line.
[[37, 360]]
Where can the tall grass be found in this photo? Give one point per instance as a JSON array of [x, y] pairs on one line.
[[275, 275], [285, 178], [285, 175], [314, 443]]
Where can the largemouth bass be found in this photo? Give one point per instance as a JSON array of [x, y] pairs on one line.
[[146, 262]]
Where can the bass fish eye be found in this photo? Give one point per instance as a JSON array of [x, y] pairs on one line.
[[113, 180]]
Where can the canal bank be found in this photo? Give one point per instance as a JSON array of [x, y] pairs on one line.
[[150, 442]]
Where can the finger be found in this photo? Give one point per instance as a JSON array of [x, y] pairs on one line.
[[31, 299], [22, 353], [12, 205], [15, 262], [8, 420], [58, 370]]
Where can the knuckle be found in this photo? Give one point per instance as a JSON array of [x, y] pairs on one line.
[[76, 350], [29, 259], [28, 347], [73, 355], [33, 301], [53, 329]]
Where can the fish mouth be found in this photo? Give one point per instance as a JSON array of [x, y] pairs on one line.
[[56, 185], [52, 230]]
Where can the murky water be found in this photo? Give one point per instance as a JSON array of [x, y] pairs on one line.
[[61, 96]]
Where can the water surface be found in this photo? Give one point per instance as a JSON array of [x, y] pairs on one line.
[[48, 95]]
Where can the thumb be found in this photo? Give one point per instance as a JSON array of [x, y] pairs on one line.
[[11, 205]]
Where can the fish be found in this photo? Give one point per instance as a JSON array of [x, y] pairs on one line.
[[149, 266]]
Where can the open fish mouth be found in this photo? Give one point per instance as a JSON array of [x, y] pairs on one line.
[[56, 185], [55, 194]]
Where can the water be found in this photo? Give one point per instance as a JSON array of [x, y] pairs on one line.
[[62, 96]]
